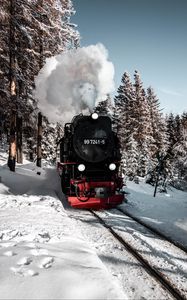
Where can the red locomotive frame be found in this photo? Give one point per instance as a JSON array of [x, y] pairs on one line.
[[82, 193]]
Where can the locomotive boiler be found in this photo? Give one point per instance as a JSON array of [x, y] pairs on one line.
[[90, 162]]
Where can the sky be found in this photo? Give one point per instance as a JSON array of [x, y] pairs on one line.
[[145, 35]]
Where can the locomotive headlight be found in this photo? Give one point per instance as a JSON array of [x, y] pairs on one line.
[[81, 167], [112, 167], [95, 116]]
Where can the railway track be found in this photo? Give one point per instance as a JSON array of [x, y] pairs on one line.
[[154, 271]]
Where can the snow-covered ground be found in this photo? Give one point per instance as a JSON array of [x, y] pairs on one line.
[[50, 251], [166, 212], [42, 252]]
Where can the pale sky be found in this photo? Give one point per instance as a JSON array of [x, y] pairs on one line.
[[145, 35]]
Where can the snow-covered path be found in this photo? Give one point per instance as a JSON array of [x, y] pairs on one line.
[[43, 254], [51, 251]]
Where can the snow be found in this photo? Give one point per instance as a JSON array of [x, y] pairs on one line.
[[167, 211], [42, 253], [165, 257], [50, 251]]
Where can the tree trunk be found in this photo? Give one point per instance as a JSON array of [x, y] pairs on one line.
[[19, 140], [13, 91], [41, 39], [1, 125], [12, 56], [39, 141], [12, 145]]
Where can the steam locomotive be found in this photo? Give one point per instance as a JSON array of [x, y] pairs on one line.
[[90, 162]]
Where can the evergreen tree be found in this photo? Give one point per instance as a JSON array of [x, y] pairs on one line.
[[104, 107], [127, 125], [149, 141], [140, 126], [124, 109], [159, 143], [170, 121], [177, 151], [157, 123], [31, 32], [179, 148], [130, 158], [184, 157], [144, 130]]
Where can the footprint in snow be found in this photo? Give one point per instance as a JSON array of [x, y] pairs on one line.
[[7, 244], [43, 237], [9, 235], [30, 272], [31, 245], [46, 263], [23, 272], [24, 261], [9, 253], [37, 252]]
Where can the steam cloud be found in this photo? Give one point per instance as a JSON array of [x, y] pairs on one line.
[[73, 82]]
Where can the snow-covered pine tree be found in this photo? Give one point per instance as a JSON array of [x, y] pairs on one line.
[[105, 107], [184, 125], [143, 134], [159, 142], [170, 122], [4, 57], [157, 123], [54, 34], [130, 158], [179, 152], [184, 158], [178, 129], [178, 147], [127, 125], [124, 106], [118, 105], [38, 29], [115, 119]]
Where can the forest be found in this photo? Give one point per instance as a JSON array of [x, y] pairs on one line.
[[152, 144]]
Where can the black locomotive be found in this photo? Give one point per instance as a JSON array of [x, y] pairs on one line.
[[89, 162]]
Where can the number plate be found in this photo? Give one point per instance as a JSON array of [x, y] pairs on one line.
[[94, 141]]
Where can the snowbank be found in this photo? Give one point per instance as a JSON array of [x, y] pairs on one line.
[[167, 211], [42, 252]]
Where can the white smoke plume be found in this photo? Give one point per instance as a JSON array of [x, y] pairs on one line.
[[73, 82]]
